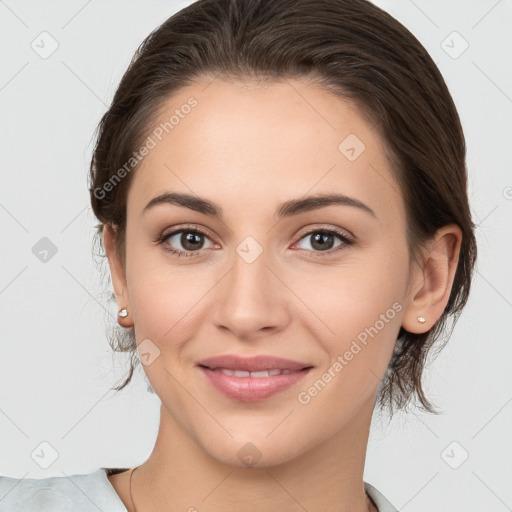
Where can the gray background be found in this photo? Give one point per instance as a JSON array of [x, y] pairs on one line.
[[56, 366]]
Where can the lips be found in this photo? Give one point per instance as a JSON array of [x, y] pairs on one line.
[[258, 374], [251, 379], [255, 365]]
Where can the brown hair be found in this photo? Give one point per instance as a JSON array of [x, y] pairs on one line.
[[353, 49]]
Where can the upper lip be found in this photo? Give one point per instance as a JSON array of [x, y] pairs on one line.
[[252, 364]]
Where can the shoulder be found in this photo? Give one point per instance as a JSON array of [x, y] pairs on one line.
[[84, 492], [382, 504]]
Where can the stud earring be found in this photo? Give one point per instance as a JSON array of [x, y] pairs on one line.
[[421, 319], [123, 313]]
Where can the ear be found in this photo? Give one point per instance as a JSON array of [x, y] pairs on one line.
[[431, 281], [118, 274]]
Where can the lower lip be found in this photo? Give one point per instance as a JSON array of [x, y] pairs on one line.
[[252, 389]]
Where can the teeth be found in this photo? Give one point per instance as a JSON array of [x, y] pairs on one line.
[[262, 373]]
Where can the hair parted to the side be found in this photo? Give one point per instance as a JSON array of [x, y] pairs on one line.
[[353, 49]]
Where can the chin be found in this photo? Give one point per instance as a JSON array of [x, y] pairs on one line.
[[255, 452]]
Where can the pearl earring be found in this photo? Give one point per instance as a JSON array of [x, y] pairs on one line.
[[421, 319], [123, 313]]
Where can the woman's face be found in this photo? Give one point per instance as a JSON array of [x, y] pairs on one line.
[[265, 279]]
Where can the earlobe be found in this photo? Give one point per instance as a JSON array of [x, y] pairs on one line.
[[118, 276], [432, 282]]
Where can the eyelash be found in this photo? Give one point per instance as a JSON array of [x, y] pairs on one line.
[[346, 239]]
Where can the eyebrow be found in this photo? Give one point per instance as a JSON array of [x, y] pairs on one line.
[[286, 209]]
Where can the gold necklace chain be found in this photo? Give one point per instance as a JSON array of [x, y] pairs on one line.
[[131, 497]]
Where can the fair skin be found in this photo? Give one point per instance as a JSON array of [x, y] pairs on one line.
[[248, 148]]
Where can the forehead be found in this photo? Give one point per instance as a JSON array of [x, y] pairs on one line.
[[264, 143]]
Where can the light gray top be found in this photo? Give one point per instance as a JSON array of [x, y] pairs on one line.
[[89, 492]]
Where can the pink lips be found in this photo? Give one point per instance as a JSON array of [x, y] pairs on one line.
[[250, 388]]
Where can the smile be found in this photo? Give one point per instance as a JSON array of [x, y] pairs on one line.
[[254, 386], [242, 373]]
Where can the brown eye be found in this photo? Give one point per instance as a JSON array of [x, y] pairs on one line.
[[324, 240], [186, 242]]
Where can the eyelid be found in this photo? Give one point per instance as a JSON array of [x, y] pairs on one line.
[[186, 227], [322, 227]]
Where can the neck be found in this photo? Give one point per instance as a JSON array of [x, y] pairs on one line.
[[180, 475]]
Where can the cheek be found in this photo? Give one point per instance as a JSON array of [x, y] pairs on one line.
[[357, 302], [167, 299], [362, 310], [164, 302]]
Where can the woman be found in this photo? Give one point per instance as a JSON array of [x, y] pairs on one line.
[[281, 190]]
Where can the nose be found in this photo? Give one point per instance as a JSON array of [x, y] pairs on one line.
[[252, 300]]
